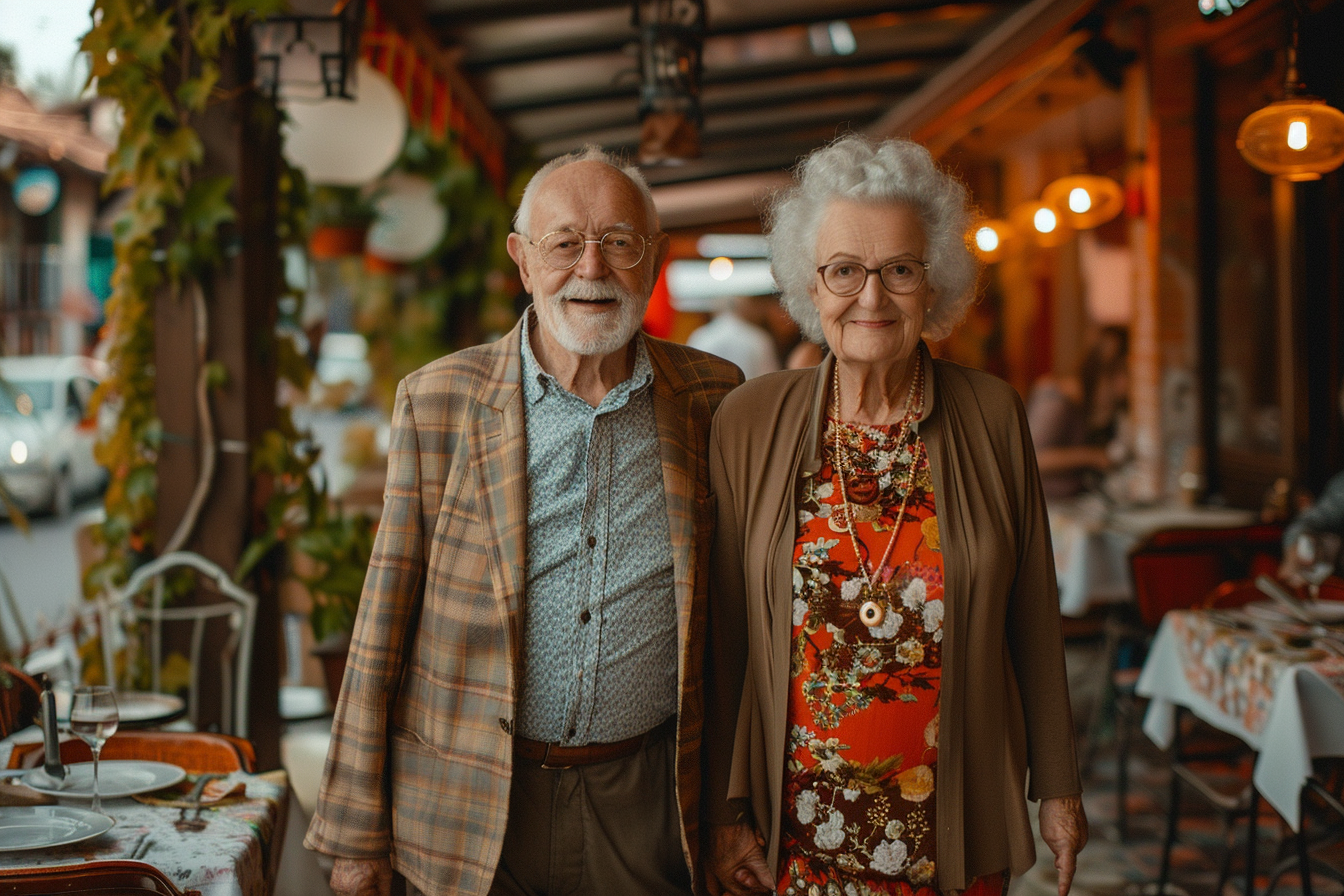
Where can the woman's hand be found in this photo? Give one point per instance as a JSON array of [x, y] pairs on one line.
[[361, 877], [735, 861], [1064, 830]]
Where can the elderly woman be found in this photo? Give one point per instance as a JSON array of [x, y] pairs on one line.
[[885, 660]]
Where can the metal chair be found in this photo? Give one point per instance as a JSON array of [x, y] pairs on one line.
[[123, 609], [19, 697], [116, 877]]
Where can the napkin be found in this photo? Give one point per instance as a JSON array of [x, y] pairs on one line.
[[176, 796], [19, 795]]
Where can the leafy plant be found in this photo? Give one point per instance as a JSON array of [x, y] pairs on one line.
[[332, 546], [332, 205], [161, 63]]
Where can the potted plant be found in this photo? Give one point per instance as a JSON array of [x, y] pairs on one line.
[[327, 548], [339, 219]]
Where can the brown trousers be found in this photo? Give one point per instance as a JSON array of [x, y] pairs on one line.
[[610, 828]]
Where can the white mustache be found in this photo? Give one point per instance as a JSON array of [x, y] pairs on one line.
[[595, 291]]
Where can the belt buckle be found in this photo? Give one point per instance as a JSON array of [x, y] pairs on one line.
[[546, 760]]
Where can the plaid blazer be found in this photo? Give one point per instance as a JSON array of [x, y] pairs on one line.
[[421, 751]]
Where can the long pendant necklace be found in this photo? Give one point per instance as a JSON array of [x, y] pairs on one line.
[[873, 610]]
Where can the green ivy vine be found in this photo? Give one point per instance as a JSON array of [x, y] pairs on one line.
[[161, 63]]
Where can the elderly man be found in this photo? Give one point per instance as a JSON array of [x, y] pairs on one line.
[[522, 705]]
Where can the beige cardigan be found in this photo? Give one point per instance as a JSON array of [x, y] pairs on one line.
[[1005, 702]]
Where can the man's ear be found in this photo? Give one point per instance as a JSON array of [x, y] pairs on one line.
[[662, 244], [517, 247]]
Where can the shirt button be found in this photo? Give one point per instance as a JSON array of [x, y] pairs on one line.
[[571, 732], [506, 725], [592, 541], [585, 617]]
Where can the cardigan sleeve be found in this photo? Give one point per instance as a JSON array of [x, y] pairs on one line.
[[726, 646], [1035, 635]]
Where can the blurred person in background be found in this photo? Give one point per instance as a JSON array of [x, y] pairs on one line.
[[885, 683], [1077, 422], [737, 333]]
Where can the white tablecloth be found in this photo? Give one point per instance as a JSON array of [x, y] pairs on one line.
[[1288, 705], [1092, 543]]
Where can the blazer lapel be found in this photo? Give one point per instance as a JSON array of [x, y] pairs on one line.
[[498, 451]]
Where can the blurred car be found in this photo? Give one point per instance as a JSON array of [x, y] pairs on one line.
[[46, 440]]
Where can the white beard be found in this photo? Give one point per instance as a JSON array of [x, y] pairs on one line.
[[587, 334]]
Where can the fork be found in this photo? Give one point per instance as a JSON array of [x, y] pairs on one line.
[[194, 800]]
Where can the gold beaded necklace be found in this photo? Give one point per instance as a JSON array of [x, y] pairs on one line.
[[873, 609]]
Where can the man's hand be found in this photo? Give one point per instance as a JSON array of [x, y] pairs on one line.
[[361, 877], [735, 861], [1064, 830]]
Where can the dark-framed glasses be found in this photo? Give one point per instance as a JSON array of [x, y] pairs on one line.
[[901, 276], [562, 249]]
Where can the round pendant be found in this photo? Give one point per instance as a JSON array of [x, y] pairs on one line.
[[872, 613], [863, 489]]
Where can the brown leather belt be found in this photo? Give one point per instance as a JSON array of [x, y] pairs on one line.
[[556, 756]]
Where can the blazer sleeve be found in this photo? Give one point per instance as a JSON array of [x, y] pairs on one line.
[[352, 817]]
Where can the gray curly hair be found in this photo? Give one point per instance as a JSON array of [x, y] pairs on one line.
[[857, 168]]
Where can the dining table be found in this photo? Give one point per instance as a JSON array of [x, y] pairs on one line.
[[234, 852], [1260, 675], [1092, 536]]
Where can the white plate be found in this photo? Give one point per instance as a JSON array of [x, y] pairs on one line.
[[142, 708], [35, 827], [116, 778]]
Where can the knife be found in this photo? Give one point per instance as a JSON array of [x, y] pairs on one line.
[[51, 744]]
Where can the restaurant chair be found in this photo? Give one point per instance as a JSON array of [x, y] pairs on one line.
[[104, 878], [19, 700], [196, 752], [136, 613], [1171, 569]]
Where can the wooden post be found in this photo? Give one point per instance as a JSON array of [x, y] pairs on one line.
[[241, 139]]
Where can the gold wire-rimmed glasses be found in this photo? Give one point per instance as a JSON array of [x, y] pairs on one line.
[[901, 276], [621, 249]]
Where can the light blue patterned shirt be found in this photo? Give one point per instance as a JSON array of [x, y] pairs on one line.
[[600, 614]]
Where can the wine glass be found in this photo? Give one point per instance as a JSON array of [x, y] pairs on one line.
[[1316, 553], [94, 718]]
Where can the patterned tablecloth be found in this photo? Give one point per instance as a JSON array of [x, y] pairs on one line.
[[1286, 702], [235, 855]]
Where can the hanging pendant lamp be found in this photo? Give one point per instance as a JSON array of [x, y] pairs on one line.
[[1042, 224], [1085, 200], [990, 238], [1299, 137]]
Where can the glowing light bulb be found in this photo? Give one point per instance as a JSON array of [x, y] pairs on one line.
[[1297, 134], [18, 452], [987, 239], [1079, 200], [721, 268], [1045, 220]]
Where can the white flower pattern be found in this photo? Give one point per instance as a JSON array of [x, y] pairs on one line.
[[831, 833]]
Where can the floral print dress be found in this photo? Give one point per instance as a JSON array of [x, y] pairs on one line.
[[862, 747]]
